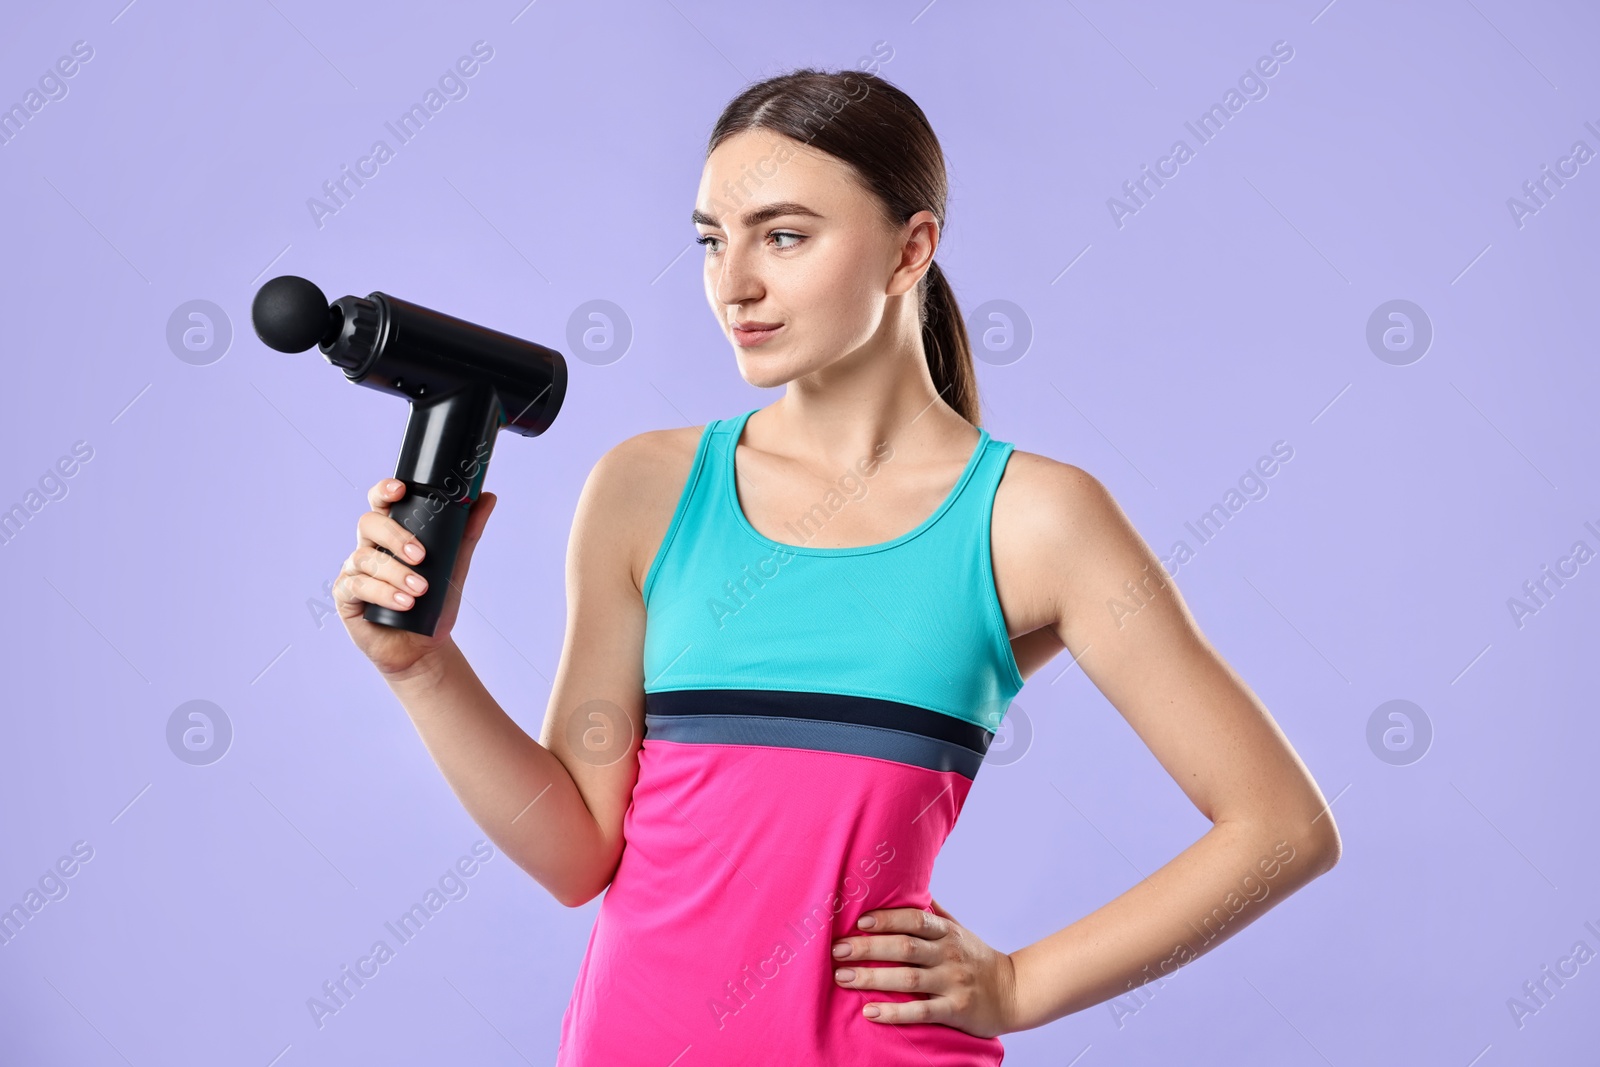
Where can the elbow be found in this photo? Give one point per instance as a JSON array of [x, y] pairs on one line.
[[582, 876], [567, 892], [1318, 837], [1330, 847], [1319, 843], [1312, 848], [578, 898]]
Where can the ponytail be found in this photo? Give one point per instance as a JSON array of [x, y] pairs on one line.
[[949, 351]]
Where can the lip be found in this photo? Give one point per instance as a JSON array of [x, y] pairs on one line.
[[748, 335]]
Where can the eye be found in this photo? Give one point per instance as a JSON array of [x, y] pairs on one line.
[[706, 241]]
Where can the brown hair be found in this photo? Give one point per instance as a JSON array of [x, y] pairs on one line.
[[869, 123]]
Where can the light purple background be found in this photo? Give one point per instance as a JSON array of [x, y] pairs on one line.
[[1229, 313]]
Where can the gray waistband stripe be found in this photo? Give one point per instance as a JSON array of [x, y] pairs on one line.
[[856, 739]]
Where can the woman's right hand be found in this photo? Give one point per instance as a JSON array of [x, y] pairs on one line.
[[373, 577]]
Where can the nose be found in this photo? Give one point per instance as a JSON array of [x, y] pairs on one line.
[[737, 275]]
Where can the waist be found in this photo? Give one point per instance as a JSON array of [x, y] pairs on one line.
[[743, 865]]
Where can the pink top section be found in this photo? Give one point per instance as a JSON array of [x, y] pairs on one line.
[[744, 864]]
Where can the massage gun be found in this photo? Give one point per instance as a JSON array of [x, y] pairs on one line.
[[464, 383]]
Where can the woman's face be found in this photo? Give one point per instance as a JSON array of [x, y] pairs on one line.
[[793, 241]]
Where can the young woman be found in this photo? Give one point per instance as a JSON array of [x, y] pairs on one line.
[[791, 635]]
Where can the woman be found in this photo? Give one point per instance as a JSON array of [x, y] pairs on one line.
[[791, 635]]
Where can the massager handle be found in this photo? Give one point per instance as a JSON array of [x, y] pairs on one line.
[[443, 459]]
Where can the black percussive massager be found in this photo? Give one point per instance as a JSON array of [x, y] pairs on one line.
[[464, 383]]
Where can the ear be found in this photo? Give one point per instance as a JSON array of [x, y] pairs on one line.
[[921, 240]]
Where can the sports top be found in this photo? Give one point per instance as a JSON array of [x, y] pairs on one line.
[[814, 720]]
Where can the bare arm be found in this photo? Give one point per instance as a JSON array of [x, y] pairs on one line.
[[1271, 829], [512, 786], [554, 805]]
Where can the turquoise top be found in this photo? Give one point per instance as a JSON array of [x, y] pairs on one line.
[[915, 619]]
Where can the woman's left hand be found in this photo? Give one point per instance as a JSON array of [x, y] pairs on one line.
[[971, 986]]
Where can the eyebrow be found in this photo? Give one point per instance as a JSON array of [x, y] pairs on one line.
[[757, 216]]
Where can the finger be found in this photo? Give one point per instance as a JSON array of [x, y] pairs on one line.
[[899, 979], [373, 528], [354, 588], [386, 568], [903, 920], [384, 493], [937, 910], [477, 517], [922, 1010], [897, 948]]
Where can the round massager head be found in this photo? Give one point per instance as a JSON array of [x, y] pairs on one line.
[[290, 314]]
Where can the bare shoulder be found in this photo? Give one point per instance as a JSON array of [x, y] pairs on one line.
[[1042, 500], [1056, 528], [636, 486], [641, 460]]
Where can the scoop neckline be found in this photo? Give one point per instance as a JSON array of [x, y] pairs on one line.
[[730, 469]]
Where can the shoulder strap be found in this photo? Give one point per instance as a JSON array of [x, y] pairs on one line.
[[973, 508], [689, 500]]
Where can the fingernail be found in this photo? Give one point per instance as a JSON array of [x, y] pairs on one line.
[[841, 950], [415, 583], [845, 975], [866, 922], [403, 600], [394, 487], [413, 551]]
